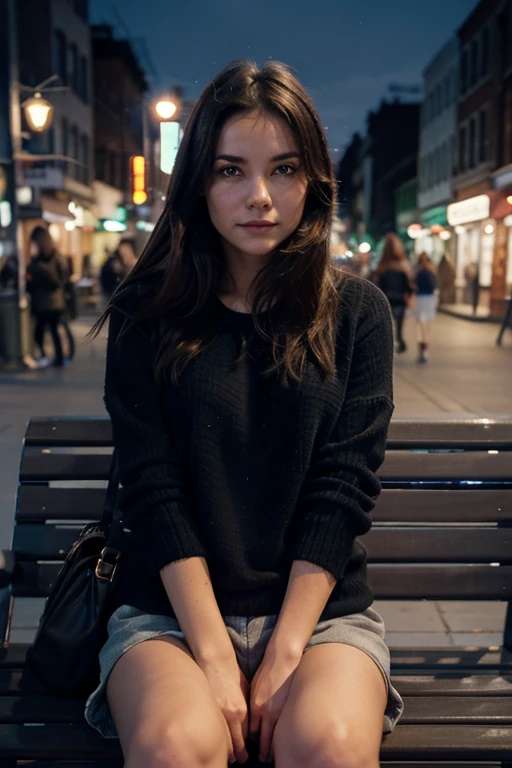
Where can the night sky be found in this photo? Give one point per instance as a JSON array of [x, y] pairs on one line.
[[345, 52]]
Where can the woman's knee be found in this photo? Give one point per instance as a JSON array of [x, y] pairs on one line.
[[185, 742], [334, 744]]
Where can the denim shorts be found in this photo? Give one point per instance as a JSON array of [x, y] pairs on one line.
[[128, 627]]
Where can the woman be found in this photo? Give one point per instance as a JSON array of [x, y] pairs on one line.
[[393, 279], [425, 310], [45, 283], [249, 385]]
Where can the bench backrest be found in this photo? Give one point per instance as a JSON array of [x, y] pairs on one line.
[[443, 523]]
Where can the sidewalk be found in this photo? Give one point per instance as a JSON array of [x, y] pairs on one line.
[[467, 377]]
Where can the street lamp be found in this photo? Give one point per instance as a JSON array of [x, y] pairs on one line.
[[38, 112], [165, 109]]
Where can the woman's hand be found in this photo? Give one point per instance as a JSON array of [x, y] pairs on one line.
[[269, 690], [230, 690]]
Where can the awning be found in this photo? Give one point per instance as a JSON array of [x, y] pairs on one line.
[[55, 210]]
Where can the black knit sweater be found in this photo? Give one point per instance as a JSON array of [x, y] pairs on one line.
[[236, 468]]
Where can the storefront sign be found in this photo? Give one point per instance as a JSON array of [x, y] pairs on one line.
[[434, 216], [466, 211], [44, 178]]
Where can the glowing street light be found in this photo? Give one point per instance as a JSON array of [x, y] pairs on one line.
[[165, 109], [39, 113]]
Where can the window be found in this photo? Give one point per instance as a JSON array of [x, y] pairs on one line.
[[464, 72], [473, 77], [482, 138], [73, 67], [472, 142], [462, 150], [59, 56], [84, 158], [73, 150], [83, 90], [484, 64]]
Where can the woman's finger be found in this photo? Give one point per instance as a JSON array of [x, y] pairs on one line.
[[266, 735], [235, 727]]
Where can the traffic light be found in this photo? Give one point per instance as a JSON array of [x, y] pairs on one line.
[[139, 194]]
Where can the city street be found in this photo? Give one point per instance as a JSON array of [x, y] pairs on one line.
[[467, 376]]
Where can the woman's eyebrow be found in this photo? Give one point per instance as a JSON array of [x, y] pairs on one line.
[[237, 159]]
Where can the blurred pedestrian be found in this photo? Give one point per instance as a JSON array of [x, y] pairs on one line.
[[70, 305], [507, 322], [393, 276], [117, 267], [45, 283], [425, 309]]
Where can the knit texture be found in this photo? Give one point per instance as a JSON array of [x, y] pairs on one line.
[[235, 467]]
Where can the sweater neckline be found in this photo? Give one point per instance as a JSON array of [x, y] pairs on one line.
[[243, 316]]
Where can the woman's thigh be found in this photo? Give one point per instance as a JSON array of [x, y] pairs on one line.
[[163, 709], [334, 712]]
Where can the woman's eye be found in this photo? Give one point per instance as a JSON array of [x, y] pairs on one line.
[[290, 167], [228, 168]]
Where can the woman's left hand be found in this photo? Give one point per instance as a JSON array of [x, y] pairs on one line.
[[269, 691]]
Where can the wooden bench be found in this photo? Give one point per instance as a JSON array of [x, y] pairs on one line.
[[443, 530]]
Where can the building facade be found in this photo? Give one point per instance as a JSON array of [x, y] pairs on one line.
[[478, 155], [438, 132], [55, 170]]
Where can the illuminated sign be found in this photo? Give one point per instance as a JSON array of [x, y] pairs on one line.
[[139, 195], [466, 211]]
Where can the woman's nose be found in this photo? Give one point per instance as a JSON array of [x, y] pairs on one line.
[[259, 194]]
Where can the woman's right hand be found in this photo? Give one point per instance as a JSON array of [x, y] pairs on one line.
[[230, 690]]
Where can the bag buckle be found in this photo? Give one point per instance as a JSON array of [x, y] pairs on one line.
[[107, 564]]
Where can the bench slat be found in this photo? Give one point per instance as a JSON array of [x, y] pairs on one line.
[[471, 465], [453, 683], [73, 432], [402, 659], [384, 545], [479, 710], [454, 709], [410, 433], [37, 503], [37, 466], [393, 582], [464, 433], [397, 505], [445, 742], [474, 742]]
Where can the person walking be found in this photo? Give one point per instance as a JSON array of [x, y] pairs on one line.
[[249, 384], [507, 322], [393, 278], [117, 267], [45, 283], [425, 309]]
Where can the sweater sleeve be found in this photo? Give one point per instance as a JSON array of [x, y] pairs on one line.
[[153, 495], [341, 486]]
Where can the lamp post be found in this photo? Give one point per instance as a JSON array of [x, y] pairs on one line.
[[15, 335]]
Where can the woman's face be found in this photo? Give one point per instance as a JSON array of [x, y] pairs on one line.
[[257, 174]]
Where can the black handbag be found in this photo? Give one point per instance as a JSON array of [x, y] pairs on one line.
[[73, 627]]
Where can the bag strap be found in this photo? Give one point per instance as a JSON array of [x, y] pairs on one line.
[[110, 508]]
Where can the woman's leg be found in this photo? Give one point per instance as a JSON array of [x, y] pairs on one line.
[[163, 709], [39, 332], [399, 314], [53, 322], [334, 713], [64, 321]]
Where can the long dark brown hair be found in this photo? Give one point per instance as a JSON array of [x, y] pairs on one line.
[[184, 251]]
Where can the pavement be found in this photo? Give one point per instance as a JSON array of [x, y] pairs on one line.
[[467, 376]]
